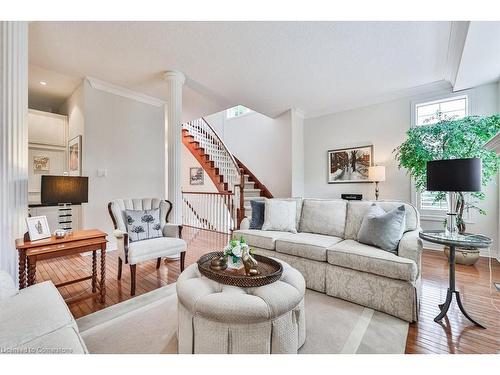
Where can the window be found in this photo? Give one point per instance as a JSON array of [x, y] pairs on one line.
[[430, 113], [237, 111]]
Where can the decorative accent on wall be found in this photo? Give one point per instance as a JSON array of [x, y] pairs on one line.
[[196, 176], [75, 156], [349, 164], [41, 163]]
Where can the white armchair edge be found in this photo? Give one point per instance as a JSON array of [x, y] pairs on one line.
[[411, 246], [245, 223]]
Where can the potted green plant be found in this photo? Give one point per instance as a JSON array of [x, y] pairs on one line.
[[452, 139]]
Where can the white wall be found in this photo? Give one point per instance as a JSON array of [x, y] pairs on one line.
[[297, 153], [261, 143], [384, 125], [124, 137]]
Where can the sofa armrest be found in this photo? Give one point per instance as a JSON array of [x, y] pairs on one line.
[[245, 223], [7, 286], [410, 247], [172, 230]]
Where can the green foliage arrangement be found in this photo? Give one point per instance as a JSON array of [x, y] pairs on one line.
[[451, 139]]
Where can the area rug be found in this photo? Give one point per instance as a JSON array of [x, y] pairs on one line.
[[335, 326], [148, 323]]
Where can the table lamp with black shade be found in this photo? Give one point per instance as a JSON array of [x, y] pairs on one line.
[[64, 191], [454, 176]]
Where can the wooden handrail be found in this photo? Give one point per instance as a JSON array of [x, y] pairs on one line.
[[265, 192], [207, 192]]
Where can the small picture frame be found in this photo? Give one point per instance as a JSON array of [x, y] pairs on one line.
[[196, 176], [38, 227], [75, 156]]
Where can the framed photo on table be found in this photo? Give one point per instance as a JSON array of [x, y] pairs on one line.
[[75, 156], [38, 227], [349, 164]]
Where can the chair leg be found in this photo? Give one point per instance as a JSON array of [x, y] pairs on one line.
[[183, 258], [120, 264], [132, 279], [158, 263]]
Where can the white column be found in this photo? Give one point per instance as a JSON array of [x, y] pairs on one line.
[[173, 113], [13, 139]]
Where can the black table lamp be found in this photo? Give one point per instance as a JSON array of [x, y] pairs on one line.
[[64, 191], [453, 176]]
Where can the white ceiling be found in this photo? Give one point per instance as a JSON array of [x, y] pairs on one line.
[[318, 67], [480, 62]]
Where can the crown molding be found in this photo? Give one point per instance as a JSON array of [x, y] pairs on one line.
[[122, 91], [456, 43], [433, 87]]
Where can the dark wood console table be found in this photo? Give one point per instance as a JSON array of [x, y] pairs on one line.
[[74, 243]]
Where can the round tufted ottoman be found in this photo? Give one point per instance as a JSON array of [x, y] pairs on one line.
[[217, 318]]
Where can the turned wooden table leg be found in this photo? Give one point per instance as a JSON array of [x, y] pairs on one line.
[[31, 270], [94, 271], [22, 269], [102, 282]]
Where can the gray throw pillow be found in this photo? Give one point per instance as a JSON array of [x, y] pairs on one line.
[[258, 208], [383, 229], [143, 224]]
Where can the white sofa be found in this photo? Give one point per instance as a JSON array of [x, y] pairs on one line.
[[325, 250], [36, 320]]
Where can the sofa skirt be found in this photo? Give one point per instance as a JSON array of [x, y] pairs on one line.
[[395, 297]]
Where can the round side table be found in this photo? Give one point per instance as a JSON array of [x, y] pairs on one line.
[[466, 239]]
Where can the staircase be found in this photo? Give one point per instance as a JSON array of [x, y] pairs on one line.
[[229, 175]]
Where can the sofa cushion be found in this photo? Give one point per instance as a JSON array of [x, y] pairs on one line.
[[306, 245], [280, 215], [323, 216], [264, 239], [356, 211], [140, 251], [354, 255], [65, 340], [383, 229], [33, 312], [7, 286]]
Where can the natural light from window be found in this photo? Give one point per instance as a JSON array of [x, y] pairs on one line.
[[427, 114], [237, 111]]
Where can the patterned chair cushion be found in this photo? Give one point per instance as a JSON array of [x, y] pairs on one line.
[[143, 224]]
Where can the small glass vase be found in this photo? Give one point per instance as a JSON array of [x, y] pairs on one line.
[[232, 265]]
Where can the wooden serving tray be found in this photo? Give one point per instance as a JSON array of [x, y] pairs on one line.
[[269, 269]]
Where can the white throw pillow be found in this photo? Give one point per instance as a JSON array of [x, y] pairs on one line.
[[7, 286], [280, 215]]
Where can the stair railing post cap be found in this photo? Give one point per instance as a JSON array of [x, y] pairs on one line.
[[174, 75]]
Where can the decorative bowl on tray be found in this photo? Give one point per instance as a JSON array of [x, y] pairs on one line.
[[269, 271]]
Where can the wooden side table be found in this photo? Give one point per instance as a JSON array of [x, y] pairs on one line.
[[74, 243]]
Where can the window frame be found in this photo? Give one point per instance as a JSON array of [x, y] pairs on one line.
[[437, 214], [250, 111]]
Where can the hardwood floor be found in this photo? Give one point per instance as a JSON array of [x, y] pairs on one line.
[[456, 335]]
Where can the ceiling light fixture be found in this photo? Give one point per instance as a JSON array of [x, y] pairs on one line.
[[43, 83]]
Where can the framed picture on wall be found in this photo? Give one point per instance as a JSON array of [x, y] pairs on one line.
[[196, 176], [41, 163], [38, 227], [349, 165], [75, 156]]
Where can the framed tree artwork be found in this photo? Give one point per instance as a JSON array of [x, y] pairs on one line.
[[75, 156], [348, 165], [196, 176]]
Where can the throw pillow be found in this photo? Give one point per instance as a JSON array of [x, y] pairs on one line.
[[258, 208], [143, 224], [382, 229], [280, 215]]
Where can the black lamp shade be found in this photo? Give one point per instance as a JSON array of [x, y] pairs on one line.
[[454, 175], [64, 189]]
